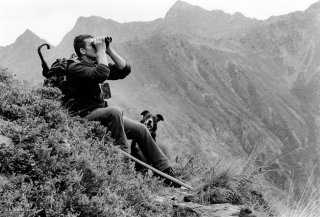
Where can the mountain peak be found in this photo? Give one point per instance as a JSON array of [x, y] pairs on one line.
[[28, 35], [181, 4], [238, 15], [93, 23], [314, 8], [181, 7], [93, 19]]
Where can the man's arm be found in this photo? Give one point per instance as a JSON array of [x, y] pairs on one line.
[[120, 69], [80, 71], [117, 59]]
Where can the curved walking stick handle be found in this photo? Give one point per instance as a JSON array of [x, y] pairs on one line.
[[39, 50], [45, 68]]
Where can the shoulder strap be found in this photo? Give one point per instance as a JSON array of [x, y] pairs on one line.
[[73, 60]]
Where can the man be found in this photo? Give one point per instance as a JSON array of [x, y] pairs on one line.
[[85, 98]]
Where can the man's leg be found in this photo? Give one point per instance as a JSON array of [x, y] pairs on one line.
[[112, 118], [139, 132]]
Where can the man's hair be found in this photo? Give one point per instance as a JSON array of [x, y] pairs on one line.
[[79, 42]]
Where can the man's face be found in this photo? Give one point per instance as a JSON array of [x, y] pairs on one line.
[[89, 50]]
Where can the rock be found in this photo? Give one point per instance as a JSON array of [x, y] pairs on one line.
[[214, 210], [3, 181], [6, 141], [245, 212], [189, 198], [66, 145], [159, 199]]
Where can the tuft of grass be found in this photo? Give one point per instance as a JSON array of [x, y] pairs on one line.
[[309, 203], [236, 181], [190, 166]]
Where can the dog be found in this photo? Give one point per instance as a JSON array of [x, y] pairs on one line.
[[151, 122]]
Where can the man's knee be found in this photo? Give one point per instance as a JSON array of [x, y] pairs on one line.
[[115, 111], [143, 130], [106, 115], [138, 131]]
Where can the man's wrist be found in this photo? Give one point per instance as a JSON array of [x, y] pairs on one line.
[[102, 58], [109, 51], [101, 52]]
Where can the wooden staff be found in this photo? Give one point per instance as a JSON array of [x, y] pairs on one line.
[[155, 170]]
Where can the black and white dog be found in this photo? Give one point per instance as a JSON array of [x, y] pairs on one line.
[[151, 122]]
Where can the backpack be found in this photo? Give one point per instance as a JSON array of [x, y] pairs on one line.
[[56, 76]]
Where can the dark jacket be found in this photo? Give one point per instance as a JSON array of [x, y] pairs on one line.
[[83, 92]]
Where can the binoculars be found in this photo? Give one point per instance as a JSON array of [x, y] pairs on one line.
[[107, 41]]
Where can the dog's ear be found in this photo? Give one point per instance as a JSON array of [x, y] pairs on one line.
[[144, 112], [159, 117]]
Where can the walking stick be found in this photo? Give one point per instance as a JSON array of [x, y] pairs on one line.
[[44, 65], [155, 170]]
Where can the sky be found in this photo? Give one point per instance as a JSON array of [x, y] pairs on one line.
[[53, 19]]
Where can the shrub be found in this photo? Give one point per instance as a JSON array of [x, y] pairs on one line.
[[61, 165]]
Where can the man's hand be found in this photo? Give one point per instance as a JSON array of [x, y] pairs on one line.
[[108, 41], [117, 59], [100, 44]]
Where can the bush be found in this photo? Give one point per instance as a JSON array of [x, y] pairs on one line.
[[63, 166]]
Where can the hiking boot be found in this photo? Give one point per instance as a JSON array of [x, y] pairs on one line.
[[171, 173]]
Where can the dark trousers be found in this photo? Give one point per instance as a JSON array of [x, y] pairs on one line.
[[123, 129]]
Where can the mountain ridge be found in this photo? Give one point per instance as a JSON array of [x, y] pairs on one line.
[[24, 45], [312, 8]]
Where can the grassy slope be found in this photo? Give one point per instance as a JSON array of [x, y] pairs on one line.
[[62, 165]]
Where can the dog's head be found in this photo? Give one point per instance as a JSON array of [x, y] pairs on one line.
[[151, 120]]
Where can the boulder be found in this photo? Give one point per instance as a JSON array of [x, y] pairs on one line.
[[214, 210], [6, 141]]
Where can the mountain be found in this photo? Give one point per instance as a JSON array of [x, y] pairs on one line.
[[21, 57], [99, 26], [292, 42], [291, 38], [192, 20], [224, 83], [234, 101]]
